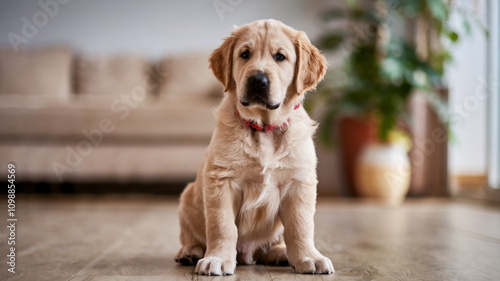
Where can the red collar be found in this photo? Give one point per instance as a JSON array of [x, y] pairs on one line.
[[267, 127]]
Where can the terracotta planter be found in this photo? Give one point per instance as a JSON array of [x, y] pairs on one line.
[[383, 171]]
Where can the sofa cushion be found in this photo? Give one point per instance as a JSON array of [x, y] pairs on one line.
[[36, 72], [138, 122], [32, 101], [117, 162], [187, 77], [113, 75]]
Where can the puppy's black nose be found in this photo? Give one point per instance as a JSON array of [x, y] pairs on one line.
[[258, 81]]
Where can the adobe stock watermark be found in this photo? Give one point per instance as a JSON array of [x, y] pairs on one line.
[[12, 219], [121, 107], [31, 26], [224, 6], [456, 115]]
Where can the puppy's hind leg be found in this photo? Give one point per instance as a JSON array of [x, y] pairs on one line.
[[192, 249], [274, 255], [190, 254]]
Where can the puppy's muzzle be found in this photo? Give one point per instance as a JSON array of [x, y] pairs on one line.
[[257, 91]]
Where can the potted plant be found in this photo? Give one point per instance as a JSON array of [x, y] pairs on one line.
[[366, 98]]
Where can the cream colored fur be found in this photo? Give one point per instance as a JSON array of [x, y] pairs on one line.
[[255, 192]]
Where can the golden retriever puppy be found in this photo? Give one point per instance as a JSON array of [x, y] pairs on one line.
[[255, 193]]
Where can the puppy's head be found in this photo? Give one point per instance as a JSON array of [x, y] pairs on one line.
[[267, 65]]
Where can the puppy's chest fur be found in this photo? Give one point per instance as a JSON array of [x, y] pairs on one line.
[[261, 167], [260, 183], [267, 149]]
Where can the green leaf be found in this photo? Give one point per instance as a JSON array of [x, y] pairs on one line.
[[392, 68], [331, 41], [466, 24], [453, 36], [334, 14], [438, 9], [352, 3]]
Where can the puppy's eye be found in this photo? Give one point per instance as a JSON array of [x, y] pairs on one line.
[[245, 55], [279, 57]]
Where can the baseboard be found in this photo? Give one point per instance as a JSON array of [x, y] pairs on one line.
[[473, 186], [166, 188]]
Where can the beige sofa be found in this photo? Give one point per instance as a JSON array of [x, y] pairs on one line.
[[67, 118]]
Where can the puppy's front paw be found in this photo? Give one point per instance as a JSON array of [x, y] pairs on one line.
[[215, 266], [316, 265]]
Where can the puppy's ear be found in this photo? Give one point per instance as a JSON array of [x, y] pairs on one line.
[[221, 62], [311, 65]]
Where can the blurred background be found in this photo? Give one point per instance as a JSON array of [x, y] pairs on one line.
[[116, 96]]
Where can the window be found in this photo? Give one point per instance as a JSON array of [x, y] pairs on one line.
[[494, 93]]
